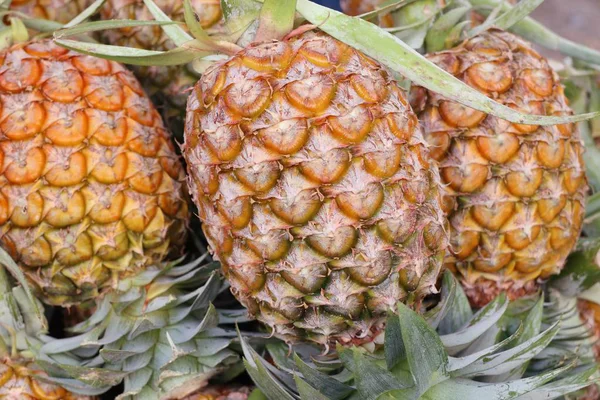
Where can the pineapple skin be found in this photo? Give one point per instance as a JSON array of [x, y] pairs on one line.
[[91, 189], [313, 184], [18, 381], [173, 82], [515, 193], [61, 11]]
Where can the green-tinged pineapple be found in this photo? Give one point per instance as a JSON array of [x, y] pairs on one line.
[[518, 350], [515, 192], [61, 11], [314, 187], [90, 185], [172, 83]]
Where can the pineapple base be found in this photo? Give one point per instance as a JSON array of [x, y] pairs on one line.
[[482, 291]]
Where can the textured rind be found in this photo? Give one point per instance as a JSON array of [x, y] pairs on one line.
[[18, 381], [61, 11], [91, 188], [515, 193], [313, 184], [175, 81]]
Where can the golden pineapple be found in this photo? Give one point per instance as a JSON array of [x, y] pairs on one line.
[[61, 11], [173, 82], [19, 380], [91, 189], [313, 184], [515, 192]]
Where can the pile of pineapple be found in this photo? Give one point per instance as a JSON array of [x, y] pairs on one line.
[[270, 199]]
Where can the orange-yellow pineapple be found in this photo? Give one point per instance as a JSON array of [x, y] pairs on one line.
[[515, 192], [54, 10], [90, 184], [19, 381], [313, 183]]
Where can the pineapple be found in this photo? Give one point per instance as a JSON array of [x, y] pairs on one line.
[[91, 187], [314, 188], [61, 11], [172, 83], [515, 193], [22, 379]]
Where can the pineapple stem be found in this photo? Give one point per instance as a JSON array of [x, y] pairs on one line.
[[276, 20]]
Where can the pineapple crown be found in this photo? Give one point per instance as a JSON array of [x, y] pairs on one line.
[[158, 333], [247, 21], [505, 350]]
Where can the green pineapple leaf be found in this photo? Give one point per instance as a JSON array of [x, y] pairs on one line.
[[329, 386], [373, 380], [447, 302], [481, 322], [560, 387], [394, 346], [85, 14], [427, 358], [437, 36], [261, 376], [465, 389], [308, 392], [504, 362], [174, 32], [509, 18]]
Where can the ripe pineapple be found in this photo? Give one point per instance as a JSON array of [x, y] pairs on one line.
[[515, 193], [314, 188], [54, 10], [172, 82], [91, 187], [19, 379]]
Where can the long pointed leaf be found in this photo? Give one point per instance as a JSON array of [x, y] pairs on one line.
[[425, 352]]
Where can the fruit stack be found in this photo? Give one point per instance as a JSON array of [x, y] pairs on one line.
[[399, 222]]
